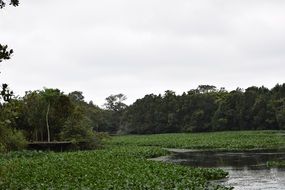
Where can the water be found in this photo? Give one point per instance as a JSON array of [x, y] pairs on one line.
[[248, 179], [247, 170]]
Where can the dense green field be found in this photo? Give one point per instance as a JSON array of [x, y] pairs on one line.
[[239, 140], [111, 168], [123, 164]]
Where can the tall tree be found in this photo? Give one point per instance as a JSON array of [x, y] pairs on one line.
[[115, 107], [115, 102], [206, 88], [50, 96]]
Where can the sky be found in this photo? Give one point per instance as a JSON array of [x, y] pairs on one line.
[[141, 47]]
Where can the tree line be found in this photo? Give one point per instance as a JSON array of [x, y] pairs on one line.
[[207, 109], [51, 115]]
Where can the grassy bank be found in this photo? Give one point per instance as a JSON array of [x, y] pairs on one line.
[[239, 140]]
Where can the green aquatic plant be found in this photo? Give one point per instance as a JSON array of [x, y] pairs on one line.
[[231, 141], [112, 168]]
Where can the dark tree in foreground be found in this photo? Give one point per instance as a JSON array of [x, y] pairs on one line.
[[5, 54], [11, 2]]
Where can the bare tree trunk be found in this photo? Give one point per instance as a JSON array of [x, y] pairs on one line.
[[36, 135], [42, 135], [48, 132]]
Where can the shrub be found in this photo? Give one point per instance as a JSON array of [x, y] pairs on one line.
[[11, 139]]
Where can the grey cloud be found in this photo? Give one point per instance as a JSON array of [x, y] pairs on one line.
[[140, 47]]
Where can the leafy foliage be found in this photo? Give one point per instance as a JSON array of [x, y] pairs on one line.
[[12, 2], [115, 108], [62, 116], [241, 140], [113, 168], [4, 52], [10, 137], [207, 109], [50, 114]]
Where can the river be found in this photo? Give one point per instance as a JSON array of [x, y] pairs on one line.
[[247, 170]]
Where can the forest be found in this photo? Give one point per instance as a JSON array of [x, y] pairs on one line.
[[207, 108], [51, 115]]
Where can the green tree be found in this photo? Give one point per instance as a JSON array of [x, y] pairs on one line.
[[50, 97], [66, 115], [76, 96], [77, 128], [10, 137], [279, 106], [206, 88], [227, 116], [32, 118], [115, 107], [115, 102], [91, 111], [58, 108]]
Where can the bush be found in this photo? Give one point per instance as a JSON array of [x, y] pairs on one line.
[[11, 139]]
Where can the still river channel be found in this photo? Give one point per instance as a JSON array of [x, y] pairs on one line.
[[247, 170]]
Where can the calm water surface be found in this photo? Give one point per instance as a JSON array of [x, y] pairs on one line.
[[247, 170]]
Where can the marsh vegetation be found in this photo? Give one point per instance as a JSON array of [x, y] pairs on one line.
[[123, 163]]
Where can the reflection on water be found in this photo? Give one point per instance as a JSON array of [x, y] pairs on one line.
[[248, 179], [247, 170]]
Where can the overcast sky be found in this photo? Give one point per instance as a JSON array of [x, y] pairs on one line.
[[140, 47]]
